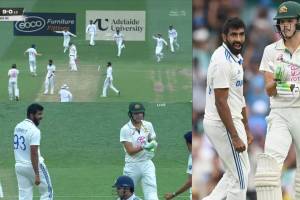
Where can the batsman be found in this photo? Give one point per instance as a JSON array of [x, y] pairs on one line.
[[279, 65], [138, 139]]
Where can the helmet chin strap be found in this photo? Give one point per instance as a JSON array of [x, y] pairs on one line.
[[297, 28]]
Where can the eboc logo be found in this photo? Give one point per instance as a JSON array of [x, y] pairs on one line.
[[31, 24]]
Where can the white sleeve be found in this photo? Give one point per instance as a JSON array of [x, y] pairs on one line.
[[87, 28], [58, 31], [27, 50], [35, 138], [264, 64], [124, 136], [190, 165], [71, 96], [152, 134], [244, 102], [72, 34], [221, 75], [34, 51], [155, 38], [165, 42]]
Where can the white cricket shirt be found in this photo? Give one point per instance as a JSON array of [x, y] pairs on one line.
[[73, 51], [272, 53], [26, 133], [91, 28], [31, 54], [130, 134], [51, 70], [160, 42], [65, 95], [225, 71], [13, 75], [172, 33], [118, 37]]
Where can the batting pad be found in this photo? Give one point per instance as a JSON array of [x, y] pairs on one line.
[[267, 178]]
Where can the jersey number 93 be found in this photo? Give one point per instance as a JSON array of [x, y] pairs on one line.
[[19, 142]]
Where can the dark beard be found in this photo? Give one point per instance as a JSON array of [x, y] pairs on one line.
[[36, 122], [233, 50]]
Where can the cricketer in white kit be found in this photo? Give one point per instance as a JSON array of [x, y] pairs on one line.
[[13, 90], [138, 139], [173, 38], [159, 46], [91, 29], [30, 167], [1, 191], [49, 80], [119, 37], [64, 94], [67, 37], [108, 82], [225, 120], [188, 183], [32, 53], [280, 65], [73, 57]]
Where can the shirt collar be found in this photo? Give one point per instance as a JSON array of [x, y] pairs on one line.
[[132, 197], [30, 121], [280, 45], [131, 126], [237, 59]]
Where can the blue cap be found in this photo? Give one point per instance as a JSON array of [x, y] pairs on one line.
[[188, 137]]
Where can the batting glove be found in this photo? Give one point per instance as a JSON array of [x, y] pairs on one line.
[[151, 146], [281, 74]]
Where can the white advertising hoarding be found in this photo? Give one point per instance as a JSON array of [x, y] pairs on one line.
[[131, 23]]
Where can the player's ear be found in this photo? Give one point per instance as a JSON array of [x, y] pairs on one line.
[[223, 37]]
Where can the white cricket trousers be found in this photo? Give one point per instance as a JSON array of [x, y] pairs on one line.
[[66, 45], [25, 177], [233, 184], [172, 42], [92, 36], [13, 90], [72, 63], [143, 171], [283, 128], [32, 66], [120, 47], [49, 82], [108, 84]]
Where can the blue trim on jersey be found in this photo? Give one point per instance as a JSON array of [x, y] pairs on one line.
[[229, 55], [238, 165], [45, 173]]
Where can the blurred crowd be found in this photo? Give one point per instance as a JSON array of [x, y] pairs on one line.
[[208, 19]]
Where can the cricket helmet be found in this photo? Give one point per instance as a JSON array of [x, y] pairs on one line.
[[124, 182], [288, 10]]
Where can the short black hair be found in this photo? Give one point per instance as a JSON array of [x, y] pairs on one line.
[[34, 108], [50, 61], [188, 137], [33, 46], [14, 66], [108, 63], [232, 23]]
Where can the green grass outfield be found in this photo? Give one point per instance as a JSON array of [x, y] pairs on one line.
[[136, 73], [80, 144]]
